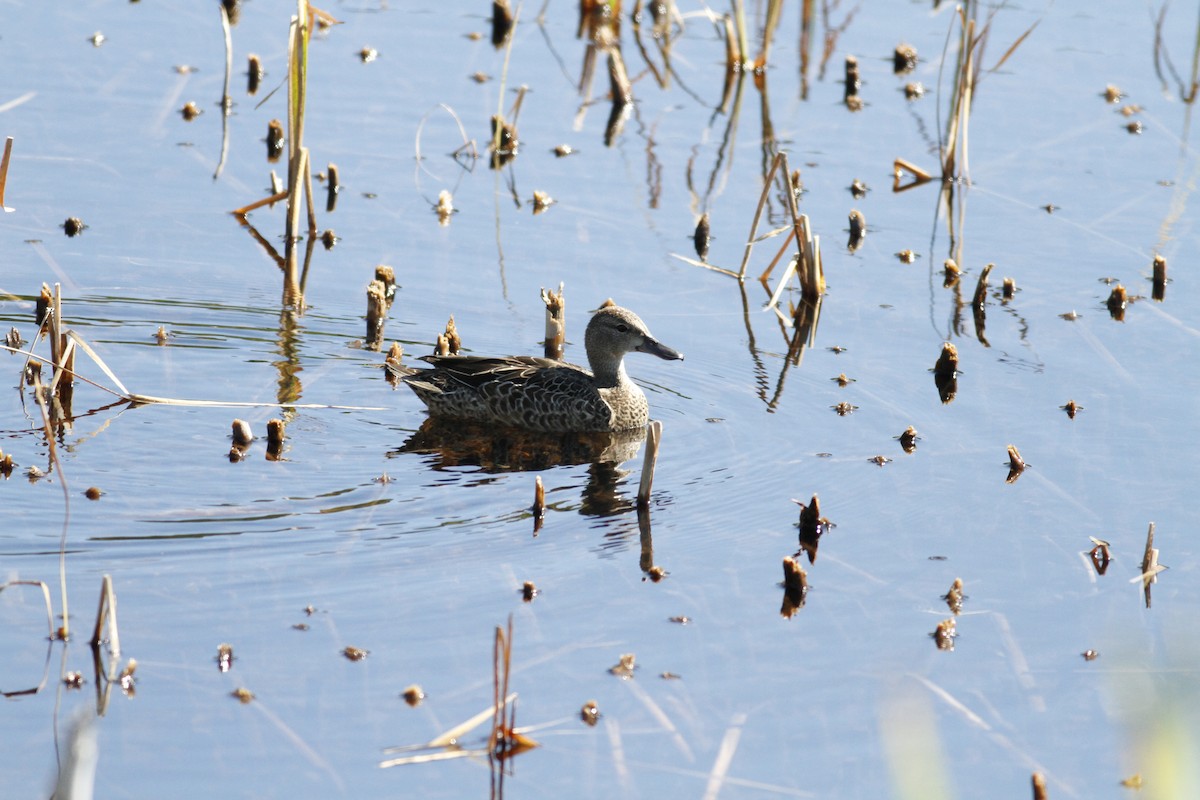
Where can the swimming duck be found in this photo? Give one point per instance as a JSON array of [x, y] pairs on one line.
[[543, 394]]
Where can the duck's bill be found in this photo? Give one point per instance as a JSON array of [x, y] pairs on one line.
[[657, 348]]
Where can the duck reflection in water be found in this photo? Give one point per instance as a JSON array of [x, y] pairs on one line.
[[498, 449]]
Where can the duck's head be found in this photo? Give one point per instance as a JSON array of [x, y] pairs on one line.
[[614, 331]]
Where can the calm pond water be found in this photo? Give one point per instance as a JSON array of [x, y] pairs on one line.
[[848, 698]]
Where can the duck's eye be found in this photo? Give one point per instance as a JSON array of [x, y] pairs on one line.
[[623, 328]]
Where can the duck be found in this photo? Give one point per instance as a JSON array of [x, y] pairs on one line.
[[543, 394]]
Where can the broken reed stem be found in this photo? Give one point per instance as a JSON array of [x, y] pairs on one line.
[[981, 288], [48, 429], [556, 322], [653, 437], [8, 144], [226, 100], [107, 611]]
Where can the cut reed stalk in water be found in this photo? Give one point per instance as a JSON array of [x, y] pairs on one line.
[[107, 613], [8, 145], [387, 276], [1158, 280], [981, 286], [275, 429], [1039, 786], [795, 587], [376, 314], [275, 140], [539, 503], [332, 187], [242, 435], [556, 322], [254, 74], [653, 437], [453, 340]]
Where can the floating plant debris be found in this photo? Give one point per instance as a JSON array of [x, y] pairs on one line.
[[656, 574], [1133, 781], [1050, 208], [590, 713], [190, 111], [1134, 127], [858, 230], [858, 189], [367, 55], [812, 527], [126, 679], [1090, 655], [97, 39], [1072, 408], [162, 336], [93, 493], [480, 77], [275, 428], [444, 207], [844, 409], [945, 372], [670, 676], [908, 439], [274, 140], [355, 653], [329, 239], [413, 695], [13, 339], [242, 435], [254, 74], [1159, 278], [906, 256], [950, 273], [955, 597], [224, 657], [1070, 316], [1016, 464], [529, 591], [1100, 555], [242, 695], [837, 349], [795, 588], [73, 680], [541, 201], [944, 634], [1112, 94], [701, 237], [1008, 288], [564, 150], [624, 667], [914, 90], [1117, 302], [904, 59], [680, 620], [842, 380], [73, 226], [879, 461]]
